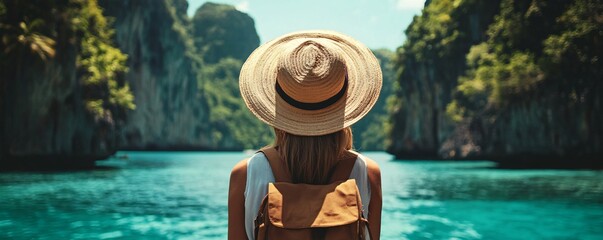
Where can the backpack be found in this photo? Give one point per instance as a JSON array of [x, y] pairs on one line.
[[310, 212]]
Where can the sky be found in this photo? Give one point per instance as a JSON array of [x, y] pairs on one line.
[[376, 23]]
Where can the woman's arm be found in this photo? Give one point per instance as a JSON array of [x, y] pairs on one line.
[[374, 217], [236, 202]]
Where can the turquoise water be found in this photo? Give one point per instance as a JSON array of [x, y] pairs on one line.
[[182, 195]]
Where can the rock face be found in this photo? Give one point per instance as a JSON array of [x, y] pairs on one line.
[[527, 95], [551, 104], [45, 113], [429, 76], [43, 119], [170, 114], [220, 31]]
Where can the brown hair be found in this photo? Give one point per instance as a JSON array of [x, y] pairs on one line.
[[310, 158]]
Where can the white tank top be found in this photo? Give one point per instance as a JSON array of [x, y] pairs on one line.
[[259, 174]]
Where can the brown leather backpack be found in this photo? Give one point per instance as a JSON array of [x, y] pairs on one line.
[[310, 212]]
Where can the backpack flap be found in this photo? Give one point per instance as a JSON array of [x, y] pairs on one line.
[[297, 206]]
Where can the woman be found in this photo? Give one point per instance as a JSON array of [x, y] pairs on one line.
[[310, 87]]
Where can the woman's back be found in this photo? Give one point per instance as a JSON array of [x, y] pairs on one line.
[[259, 174]]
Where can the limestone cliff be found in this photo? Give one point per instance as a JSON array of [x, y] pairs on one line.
[[220, 31], [44, 121], [54, 112], [224, 37], [162, 74], [430, 62], [510, 80]]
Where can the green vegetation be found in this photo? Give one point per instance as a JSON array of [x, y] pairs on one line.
[[26, 36], [230, 120], [525, 56], [500, 78], [100, 62], [217, 40], [428, 65], [25, 32], [223, 39], [490, 79], [35, 28], [182, 26], [432, 34], [371, 132]]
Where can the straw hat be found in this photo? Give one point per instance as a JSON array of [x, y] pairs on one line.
[[311, 83]]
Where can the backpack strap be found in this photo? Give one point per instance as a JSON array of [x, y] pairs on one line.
[[343, 169], [279, 169]]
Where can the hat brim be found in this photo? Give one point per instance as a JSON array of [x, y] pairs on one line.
[[258, 79]]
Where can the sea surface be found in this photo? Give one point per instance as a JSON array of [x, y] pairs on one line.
[[183, 195]]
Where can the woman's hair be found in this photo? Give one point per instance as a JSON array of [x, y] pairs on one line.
[[310, 158]]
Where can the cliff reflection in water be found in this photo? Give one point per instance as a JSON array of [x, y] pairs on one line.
[[182, 195]]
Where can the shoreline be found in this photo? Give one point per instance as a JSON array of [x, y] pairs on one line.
[[59, 162]]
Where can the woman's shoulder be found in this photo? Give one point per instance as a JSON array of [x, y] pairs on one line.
[[371, 165], [258, 167], [239, 170], [257, 160]]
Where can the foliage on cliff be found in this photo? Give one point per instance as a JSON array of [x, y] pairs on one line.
[[63, 93], [26, 31], [539, 53], [100, 63], [428, 65], [29, 28], [371, 132], [231, 122], [534, 49], [224, 38], [520, 78]]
